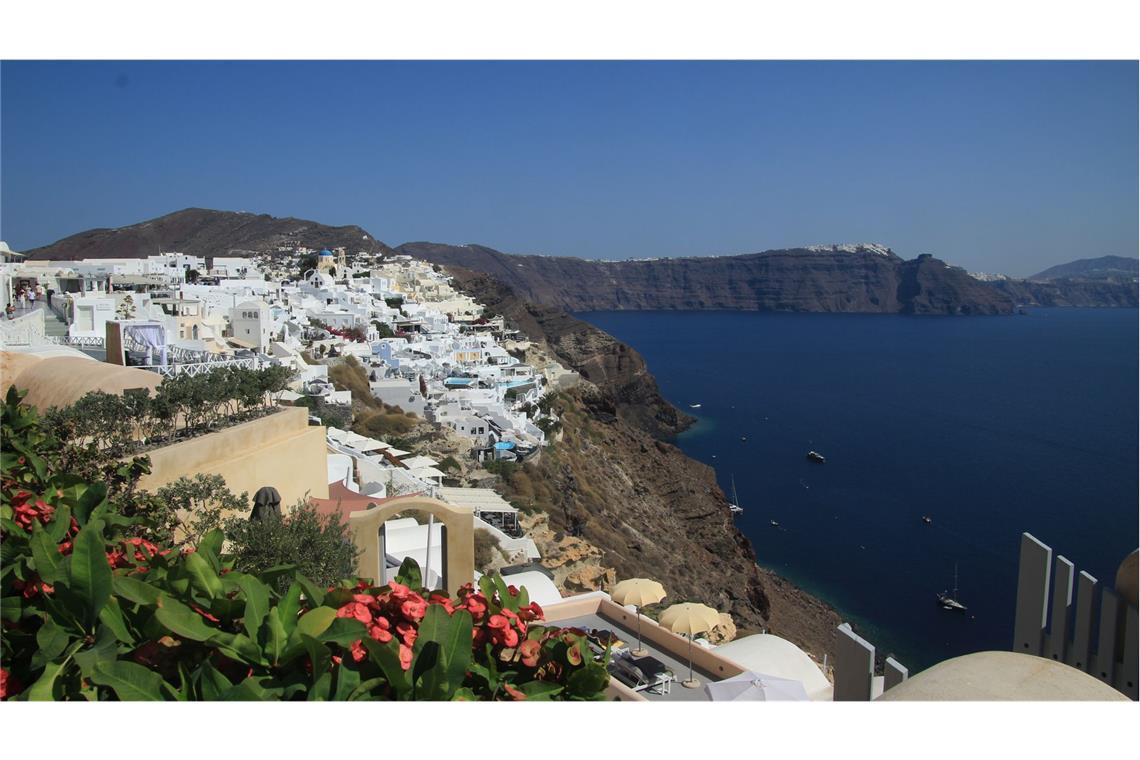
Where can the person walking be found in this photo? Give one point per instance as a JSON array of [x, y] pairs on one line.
[[31, 298], [23, 298]]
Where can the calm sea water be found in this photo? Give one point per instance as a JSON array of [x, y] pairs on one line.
[[990, 425]]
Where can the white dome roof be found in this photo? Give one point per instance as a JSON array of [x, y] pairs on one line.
[[774, 656]]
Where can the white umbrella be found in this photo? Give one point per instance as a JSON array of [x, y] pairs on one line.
[[750, 686]]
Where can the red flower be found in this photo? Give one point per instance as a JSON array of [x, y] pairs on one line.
[[476, 604], [116, 558], [530, 650], [399, 590], [498, 622], [32, 587], [380, 634], [359, 653], [65, 548], [414, 608], [514, 693], [367, 600], [355, 610], [405, 656], [509, 638], [9, 685], [531, 612], [407, 633]]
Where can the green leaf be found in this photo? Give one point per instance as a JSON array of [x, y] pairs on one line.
[[387, 657], [425, 662], [451, 635], [210, 547], [90, 572], [343, 631], [347, 679], [315, 622], [289, 607], [320, 659], [540, 690], [249, 690], [314, 593], [129, 680], [45, 552], [51, 640], [256, 603], [204, 576], [364, 689], [180, 619], [135, 590], [91, 498], [409, 574], [60, 524], [276, 637], [112, 616], [212, 683], [238, 647], [105, 649], [44, 687]]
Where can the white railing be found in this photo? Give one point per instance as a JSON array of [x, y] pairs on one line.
[[193, 369], [1063, 631]]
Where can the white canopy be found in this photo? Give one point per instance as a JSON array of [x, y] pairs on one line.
[[765, 653], [416, 462], [427, 472], [478, 499]]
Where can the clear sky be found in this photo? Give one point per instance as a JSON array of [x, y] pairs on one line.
[[1000, 167]]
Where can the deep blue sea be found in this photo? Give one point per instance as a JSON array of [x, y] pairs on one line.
[[990, 425]]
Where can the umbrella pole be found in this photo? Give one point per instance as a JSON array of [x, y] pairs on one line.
[[640, 649], [692, 683]]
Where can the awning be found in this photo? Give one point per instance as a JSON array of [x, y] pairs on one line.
[[416, 462], [427, 472], [477, 499]]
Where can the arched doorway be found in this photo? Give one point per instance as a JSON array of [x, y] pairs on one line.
[[457, 544]]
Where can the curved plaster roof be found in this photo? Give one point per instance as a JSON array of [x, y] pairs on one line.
[[992, 676], [62, 381], [774, 656]]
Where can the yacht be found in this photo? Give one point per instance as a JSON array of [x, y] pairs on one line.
[[815, 456], [694, 406]]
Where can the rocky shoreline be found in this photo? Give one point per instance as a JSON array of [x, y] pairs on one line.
[[618, 499]]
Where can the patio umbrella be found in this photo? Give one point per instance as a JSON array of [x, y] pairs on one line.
[[690, 618], [756, 687], [638, 592]]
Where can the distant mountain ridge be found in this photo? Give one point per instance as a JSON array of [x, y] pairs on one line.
[[865, 278], [1110, 268], [202, 232]]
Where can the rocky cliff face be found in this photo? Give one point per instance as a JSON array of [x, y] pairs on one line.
[[615, 483], [204, 232], [844, 279], [1066, 292]]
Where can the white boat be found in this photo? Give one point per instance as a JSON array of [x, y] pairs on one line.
[[735, 508], [949, 600], [694, 406]]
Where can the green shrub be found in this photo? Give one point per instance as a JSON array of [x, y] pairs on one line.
[[319, 546], [486, 549]]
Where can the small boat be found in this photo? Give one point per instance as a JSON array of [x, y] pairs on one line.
[[927, 519], [815, 456], [694, 406], [949, 600], [734, 507], [774, 524], [744, 438]]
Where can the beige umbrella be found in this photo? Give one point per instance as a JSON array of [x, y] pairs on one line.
[[638, 592], [690, 618]]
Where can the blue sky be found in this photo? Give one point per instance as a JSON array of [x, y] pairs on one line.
[[999, 166]]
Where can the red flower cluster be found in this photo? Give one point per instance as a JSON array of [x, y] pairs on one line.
[[25, 515], [9, 684], [32, 587], [395, 611], [138, 549]]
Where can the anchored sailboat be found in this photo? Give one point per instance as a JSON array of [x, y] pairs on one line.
[[735, 507], [949, 601]]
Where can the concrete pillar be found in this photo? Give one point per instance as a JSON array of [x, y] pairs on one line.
[[854, 666], [1062, 602], [1080, 653], [1032, 595], [894, 673]]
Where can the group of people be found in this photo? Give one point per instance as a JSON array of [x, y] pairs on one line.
[[26, 297]]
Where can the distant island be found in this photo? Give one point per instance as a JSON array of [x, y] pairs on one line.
[[857, 278]]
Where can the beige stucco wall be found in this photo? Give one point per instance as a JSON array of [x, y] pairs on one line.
[[280, 450]]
